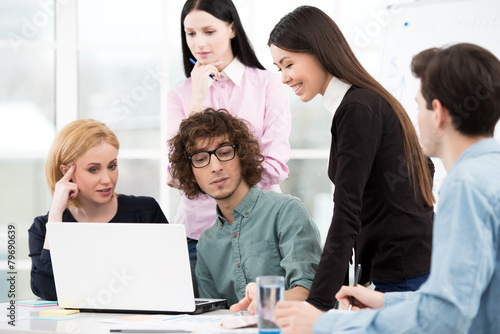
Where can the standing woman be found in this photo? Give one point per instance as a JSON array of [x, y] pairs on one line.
[[82, 172], [213, 38], [383, 182]]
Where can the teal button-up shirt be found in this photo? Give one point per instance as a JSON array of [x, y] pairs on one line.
[[272, 234]]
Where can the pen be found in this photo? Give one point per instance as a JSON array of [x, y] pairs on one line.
[[357, 274], [194, 63]]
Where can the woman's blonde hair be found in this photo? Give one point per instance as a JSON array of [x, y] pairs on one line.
[[73, 141]]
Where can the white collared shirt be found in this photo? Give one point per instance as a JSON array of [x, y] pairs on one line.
[[334, 94], [234, 72]]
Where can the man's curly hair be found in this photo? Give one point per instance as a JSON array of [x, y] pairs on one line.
[[212, 124]]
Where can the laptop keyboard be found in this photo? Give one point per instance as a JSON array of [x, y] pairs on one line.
[[200, 301]]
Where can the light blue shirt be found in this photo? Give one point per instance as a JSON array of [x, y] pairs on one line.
[[462, 294], [272, 234]]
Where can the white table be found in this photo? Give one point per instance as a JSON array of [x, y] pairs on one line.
[[95, 323]]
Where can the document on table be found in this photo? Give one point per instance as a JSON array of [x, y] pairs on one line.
[[196, 323]]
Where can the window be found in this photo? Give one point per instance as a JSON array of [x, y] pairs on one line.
[[27, 115], [115, 60]]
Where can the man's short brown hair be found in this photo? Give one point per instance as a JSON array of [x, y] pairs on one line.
[[465, 78]]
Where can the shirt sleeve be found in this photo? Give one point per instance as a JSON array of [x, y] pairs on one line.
[[393, 298], [158, 215], [299, 245], [450, 299], [176, 111], [358, 134], [275, 145], [42, 277]]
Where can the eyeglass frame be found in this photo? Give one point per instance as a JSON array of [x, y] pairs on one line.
[[210, 153]]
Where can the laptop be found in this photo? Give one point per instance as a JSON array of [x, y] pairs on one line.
[[124, 267]]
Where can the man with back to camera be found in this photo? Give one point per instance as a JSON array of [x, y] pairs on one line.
[[459, 105], [257, 232]]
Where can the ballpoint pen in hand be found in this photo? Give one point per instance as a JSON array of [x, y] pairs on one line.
[[357, 275], [194, 63]]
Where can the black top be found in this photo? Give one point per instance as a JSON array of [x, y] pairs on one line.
[[131, 209], [376, 210]]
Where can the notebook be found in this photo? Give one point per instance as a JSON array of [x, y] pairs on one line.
[[124, 267]]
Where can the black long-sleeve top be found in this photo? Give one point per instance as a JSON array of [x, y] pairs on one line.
[[131, 209], [375, 208]]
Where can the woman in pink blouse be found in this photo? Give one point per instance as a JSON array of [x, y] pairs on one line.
[[226, 74]]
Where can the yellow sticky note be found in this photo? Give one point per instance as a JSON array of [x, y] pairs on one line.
[[58, 312]]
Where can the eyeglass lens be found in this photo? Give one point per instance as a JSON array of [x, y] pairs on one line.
[[223, 153]]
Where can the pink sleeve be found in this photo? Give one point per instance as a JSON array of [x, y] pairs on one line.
[[275, 143], [177, 104]]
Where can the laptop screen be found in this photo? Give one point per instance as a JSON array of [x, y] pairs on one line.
[[121, 266]]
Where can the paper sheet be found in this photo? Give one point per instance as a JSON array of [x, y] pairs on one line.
[[198, 323]]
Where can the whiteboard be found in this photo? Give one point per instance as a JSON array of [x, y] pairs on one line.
[[417, 26]]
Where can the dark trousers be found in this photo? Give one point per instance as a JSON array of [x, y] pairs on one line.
[[193, 255], [411, 284]]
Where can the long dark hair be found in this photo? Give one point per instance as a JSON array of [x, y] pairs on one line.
[[226, 11], [309, 30]]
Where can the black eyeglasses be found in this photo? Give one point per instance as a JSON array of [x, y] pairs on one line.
[[223, 153]]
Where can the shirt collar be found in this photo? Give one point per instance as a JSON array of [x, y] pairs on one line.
[[221, 220], [243, 209], [246, 205], [234, 72], [334, 94], [482, 147]]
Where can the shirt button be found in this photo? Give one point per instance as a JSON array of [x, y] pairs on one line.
[[238, 265], [246, 213], [223, 86], [235, 235]]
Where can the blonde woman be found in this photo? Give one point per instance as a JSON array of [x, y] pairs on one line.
[[82, 172]]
